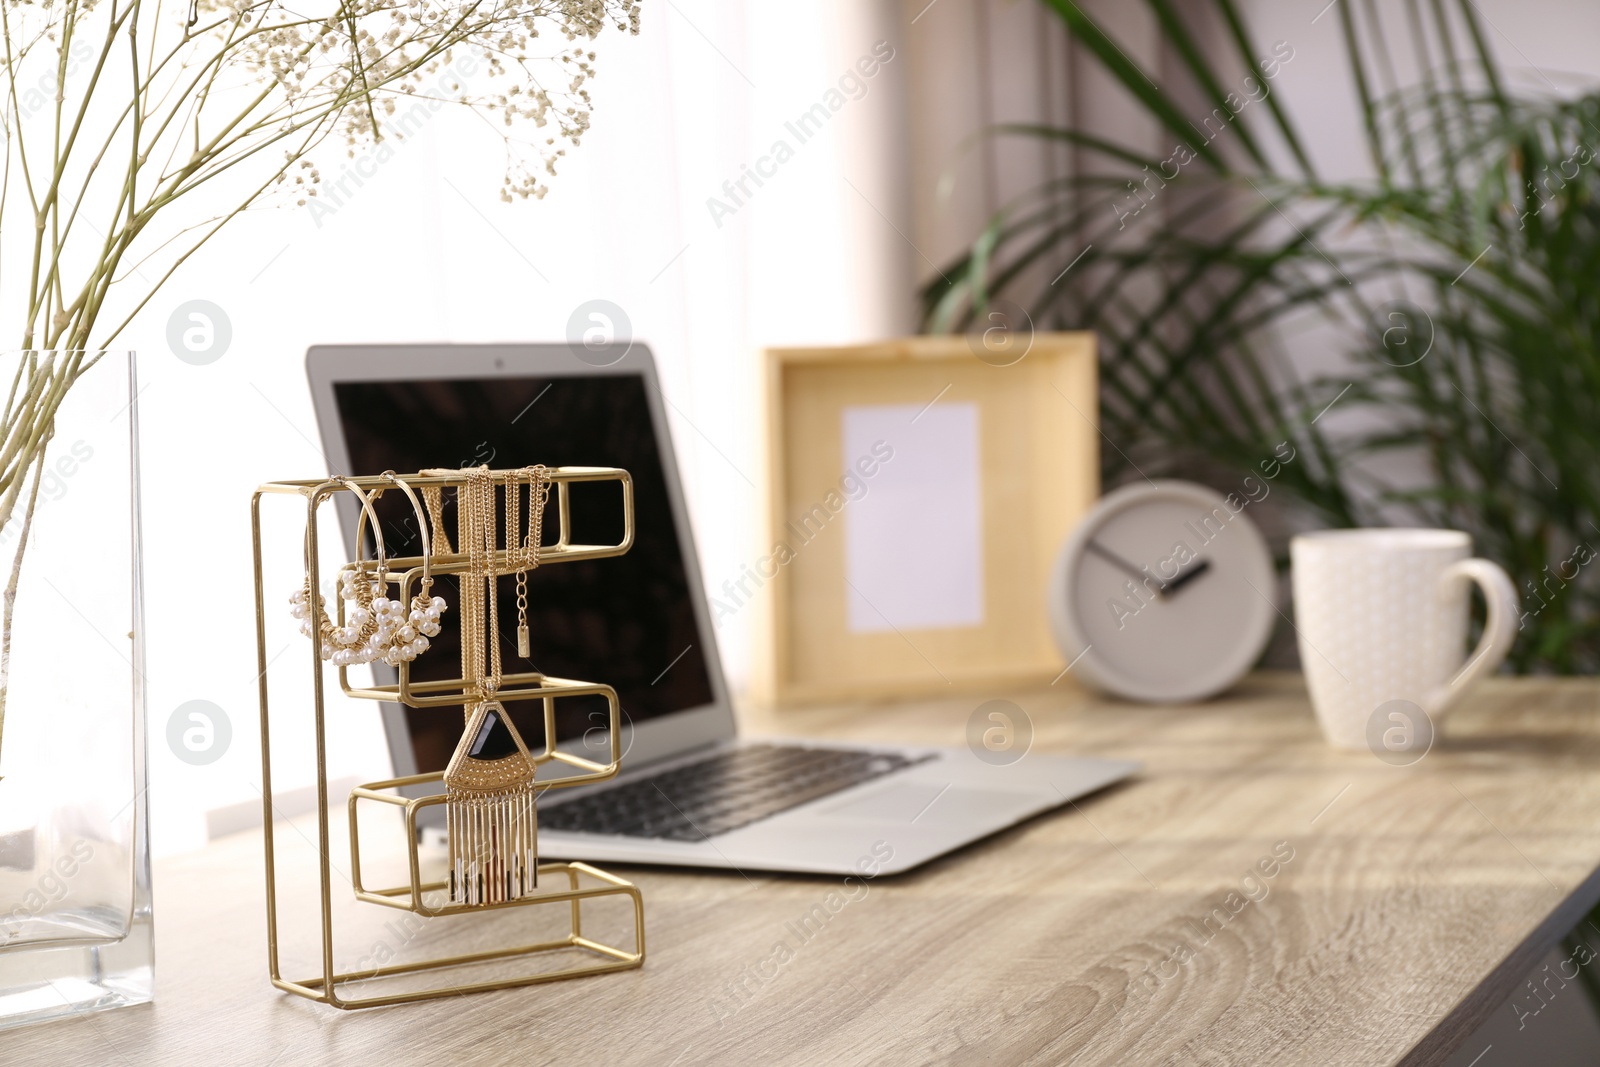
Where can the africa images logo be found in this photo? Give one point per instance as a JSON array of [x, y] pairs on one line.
[[851, 85]]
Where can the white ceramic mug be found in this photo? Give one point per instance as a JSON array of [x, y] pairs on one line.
[[1382, 616]]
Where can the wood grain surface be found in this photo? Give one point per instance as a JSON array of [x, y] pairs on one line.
[[1403, 904]]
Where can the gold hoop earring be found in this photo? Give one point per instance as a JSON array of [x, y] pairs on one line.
[[375, 626]]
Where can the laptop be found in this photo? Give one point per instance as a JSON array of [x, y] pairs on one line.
[[691, 791]]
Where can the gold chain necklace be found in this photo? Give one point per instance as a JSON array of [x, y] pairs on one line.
[[480, 618], [490, 811], [522, 552]]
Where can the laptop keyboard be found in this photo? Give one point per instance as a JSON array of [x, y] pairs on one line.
[[721, 793]]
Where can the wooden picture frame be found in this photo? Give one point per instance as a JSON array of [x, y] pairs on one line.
[[1028, 471]]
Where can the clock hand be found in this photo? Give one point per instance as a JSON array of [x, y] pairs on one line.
[[1123, 565], [1194, 570]]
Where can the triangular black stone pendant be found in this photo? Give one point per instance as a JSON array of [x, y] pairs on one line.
[[494, 739]]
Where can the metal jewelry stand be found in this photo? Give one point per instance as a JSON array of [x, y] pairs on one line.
[[582, 881]]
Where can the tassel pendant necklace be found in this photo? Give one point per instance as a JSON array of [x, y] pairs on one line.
[[493, 825], [489, 783]]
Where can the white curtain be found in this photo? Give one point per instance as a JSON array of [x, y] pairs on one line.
[[415, 245]]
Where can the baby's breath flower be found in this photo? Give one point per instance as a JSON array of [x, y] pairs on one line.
[[351, 65]]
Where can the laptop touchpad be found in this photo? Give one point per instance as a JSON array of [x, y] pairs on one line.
[[931, 802]]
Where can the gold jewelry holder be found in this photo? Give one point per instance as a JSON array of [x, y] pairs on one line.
[[583, 882]]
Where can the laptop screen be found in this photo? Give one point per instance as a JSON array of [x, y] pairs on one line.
[[627, 622]]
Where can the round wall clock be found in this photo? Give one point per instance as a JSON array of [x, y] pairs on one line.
[[1165, 592]]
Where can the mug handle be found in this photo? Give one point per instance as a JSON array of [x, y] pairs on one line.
[[1499, 630]]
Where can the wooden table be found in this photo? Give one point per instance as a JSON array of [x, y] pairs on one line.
[[1414, 900]]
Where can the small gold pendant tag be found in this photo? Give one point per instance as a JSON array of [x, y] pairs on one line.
[[522, 642]]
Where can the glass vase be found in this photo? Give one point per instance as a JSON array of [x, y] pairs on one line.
[[75, 920]]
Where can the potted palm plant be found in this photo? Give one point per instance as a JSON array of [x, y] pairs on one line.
[[1454, 287]]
